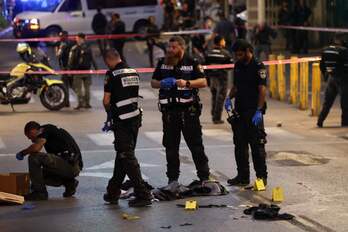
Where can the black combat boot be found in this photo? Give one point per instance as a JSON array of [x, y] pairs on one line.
[[237, 181], [70, 188]]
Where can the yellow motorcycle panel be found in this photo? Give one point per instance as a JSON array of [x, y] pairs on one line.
[[19, 70]]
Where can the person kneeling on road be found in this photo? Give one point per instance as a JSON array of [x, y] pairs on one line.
[[59, 166]]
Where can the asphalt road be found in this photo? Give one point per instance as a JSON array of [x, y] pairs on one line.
[[307, 162]]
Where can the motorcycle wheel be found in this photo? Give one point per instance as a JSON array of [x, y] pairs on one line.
[[53, 97]]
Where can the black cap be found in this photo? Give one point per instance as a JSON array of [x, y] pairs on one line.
[[242, 45]]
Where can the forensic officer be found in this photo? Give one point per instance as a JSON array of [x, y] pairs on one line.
[[218, 77], [59, 166], [333, 65], [249, 92], [179, 77], [121, 93]]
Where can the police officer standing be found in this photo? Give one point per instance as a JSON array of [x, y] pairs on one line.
[[178, 78], [121, 93], [218, 77], [62, 53], [59, 166], [81, 58], [332, 65], [249, 91]]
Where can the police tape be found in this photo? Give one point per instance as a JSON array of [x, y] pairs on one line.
[[319, 29], [151, 70], [110, 36]]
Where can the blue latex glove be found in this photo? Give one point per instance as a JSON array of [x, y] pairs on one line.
[[228, 104], [107, 126], [257, 118], [19, 156], [168, 83], [108, 123]]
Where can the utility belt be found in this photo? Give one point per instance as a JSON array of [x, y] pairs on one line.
[[194, 107]]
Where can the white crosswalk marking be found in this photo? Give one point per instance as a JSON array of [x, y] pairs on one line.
[[102, 139], [111, 163], [218, 134], [147, 94], [106, 175], [2, 144], [223, 135]]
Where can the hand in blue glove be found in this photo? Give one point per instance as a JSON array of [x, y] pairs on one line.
[[108, 123], [257, 118], [19, 156], [228, 104], [168, 83]]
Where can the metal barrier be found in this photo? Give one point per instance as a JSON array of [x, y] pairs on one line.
[[304, 77], [273, 79], [316, 87], [294, 81], [281, 79]]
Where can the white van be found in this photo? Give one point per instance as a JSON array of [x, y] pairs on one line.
[[76, 16]]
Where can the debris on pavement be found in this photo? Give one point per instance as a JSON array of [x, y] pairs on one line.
[[186, 224], [267, 212], [166, 227], [129, 217], [28, 206]]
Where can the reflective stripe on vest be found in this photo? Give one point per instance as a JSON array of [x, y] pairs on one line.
[[129, 115], [127, 102]]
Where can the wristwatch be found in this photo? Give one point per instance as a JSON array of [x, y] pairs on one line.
[[188, 84]]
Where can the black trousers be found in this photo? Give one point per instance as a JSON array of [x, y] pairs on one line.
[[218, 89], [186, 121], [334, 88], [246, 134], [68, 81], [49, 169], [126, 134], [118, 45]]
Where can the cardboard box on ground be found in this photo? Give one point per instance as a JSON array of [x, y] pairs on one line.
[[12, 185], [15, 183]]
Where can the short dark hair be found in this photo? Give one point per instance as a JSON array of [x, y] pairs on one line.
[[112, 53], [242, 45], [218, 39], [116, 15], [30, 126], [179, 40], [81, 35]]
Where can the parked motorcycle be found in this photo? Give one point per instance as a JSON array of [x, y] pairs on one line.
[[20, 84]]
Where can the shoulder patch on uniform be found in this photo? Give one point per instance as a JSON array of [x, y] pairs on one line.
[[263, 73]]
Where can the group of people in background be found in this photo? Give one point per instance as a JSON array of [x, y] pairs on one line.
[[296, 40]]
